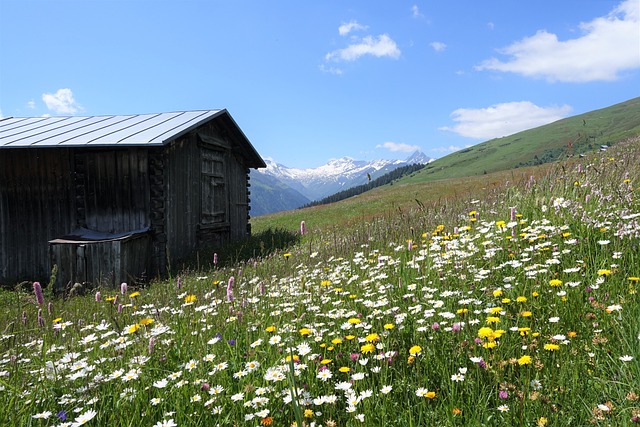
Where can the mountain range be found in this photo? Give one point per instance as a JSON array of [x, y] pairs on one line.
[[277, 187]]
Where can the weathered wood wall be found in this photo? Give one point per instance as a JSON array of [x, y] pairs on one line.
[[106, 263], [36, 205], [115, 189]]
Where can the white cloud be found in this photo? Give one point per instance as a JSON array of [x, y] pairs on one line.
[[31, 105], [379, 46], [415, 11], [61, 102], [438, 46], [331, 70], [345, 29], [395, 146], [503, 119], [608, 46]]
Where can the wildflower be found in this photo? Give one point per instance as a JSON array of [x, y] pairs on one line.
[[42, 415], [354, 320], [37, 290], [542, 422], [626, 358], [230, 289], [270, 328], [367, 348], [386, 389], [503, 408], [612, 308], [457, 377], [373, 337], [304, 331], [84, 418], [604, 272], [555, 282], [134, 294], [324, 375], [123, 288], [551, 347], [166, 423], [133, 328], [536, 384], [190, 299], [416, 350], [302, 228], [456, 411], [524, 360], [421, 392]]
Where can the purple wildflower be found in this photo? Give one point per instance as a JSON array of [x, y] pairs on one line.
[[37, 289]]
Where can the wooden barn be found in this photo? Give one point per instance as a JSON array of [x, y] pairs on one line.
[[110, 199]]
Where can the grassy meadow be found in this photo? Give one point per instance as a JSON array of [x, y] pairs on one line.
[[503, 300]]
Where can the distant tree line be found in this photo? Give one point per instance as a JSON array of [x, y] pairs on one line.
[[373, 183]]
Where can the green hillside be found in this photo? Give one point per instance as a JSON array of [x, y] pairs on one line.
[[571, 136], [478, 170]]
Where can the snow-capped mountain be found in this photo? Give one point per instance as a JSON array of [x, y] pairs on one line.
[[317, 183]]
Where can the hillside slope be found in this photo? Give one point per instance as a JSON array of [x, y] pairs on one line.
[[571, 136]]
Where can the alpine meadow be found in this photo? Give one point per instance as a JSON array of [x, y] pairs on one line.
[[457, 296]]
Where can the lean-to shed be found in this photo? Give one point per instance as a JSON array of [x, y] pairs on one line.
[[115, 198]]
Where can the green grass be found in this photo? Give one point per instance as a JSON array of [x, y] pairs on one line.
[[549, 143], [450, 310]]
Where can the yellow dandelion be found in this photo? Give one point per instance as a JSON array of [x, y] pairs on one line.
[[485, 332], [555, 282], [551, 347], [190, 299], [389, 326], [367, 348], [524, 360], [373, 337], [354, 320], [134, 294], [305, 331], [415, 350]]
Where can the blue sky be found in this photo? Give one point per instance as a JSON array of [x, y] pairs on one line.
[[311, 81]]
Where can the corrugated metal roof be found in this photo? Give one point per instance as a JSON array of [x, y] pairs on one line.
[[96, 131]]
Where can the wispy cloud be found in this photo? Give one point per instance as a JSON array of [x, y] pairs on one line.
[[61, 102], [438, 46], [415, 11], [345, 29], [378, 46], [396, 146], [503, 119], [609, 45]]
